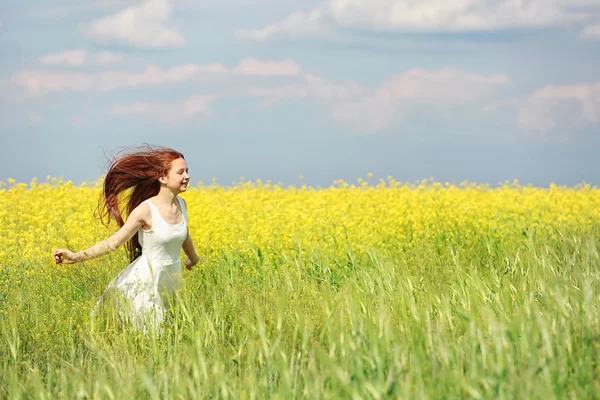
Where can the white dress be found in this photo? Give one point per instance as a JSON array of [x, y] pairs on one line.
[[149, 281]]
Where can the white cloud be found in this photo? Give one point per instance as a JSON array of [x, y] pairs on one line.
[[77, 8], [170, 113], [415, 89], [369, 109], [397, 97], [143, 25], [80, 58], [297, 24], [253, 66], [425, 15], [311, 87], [591, 32], [564, 107], [447, 14], [39, 82]]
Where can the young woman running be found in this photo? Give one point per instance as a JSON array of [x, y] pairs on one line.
[[155, 230]]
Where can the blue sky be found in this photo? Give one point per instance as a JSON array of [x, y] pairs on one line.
[[479, 90]]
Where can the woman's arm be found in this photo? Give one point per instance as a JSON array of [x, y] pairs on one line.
[[135, 221], [190, 252], [188, 248]]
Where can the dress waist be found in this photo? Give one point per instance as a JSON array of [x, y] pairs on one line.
[[163, 259]]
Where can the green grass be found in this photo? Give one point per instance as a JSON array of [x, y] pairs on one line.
[[501, 319]]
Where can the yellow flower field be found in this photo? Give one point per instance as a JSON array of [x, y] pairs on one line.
[[359, 217], [366, 290]]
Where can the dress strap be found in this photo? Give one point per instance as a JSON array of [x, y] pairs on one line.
[[154, 212], [183, 208], [151, 205]]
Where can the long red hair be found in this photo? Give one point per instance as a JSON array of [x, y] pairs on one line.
[[132, 178]]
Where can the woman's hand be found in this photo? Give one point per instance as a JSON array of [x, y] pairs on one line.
[[65, 256], [189, 264]]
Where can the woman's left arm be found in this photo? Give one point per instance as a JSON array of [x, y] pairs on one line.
[[188, 247]]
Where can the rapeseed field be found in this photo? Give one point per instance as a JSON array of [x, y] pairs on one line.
[[372, 289]]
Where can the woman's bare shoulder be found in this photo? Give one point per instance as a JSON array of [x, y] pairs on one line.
[[142, 211]]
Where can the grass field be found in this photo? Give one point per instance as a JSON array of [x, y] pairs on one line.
[[372, 290]]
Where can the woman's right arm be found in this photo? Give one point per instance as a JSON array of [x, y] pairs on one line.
[[138, 218]]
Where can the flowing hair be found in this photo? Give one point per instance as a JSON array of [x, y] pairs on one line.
[[132, 178]]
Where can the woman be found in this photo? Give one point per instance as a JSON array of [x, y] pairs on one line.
[[156, 176]]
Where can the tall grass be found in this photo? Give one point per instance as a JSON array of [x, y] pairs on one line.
[[516, 320]]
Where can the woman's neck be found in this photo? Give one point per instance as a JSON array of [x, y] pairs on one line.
[[166, 196]]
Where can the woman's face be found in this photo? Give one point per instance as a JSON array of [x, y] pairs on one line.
[[177, 177]]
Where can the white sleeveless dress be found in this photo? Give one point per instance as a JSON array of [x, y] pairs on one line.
[[148, 282]]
